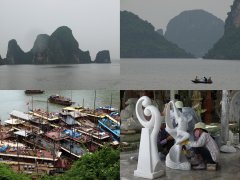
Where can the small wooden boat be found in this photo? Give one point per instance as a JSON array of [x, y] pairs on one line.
[[202, 81], [56, 99], [34, 91]]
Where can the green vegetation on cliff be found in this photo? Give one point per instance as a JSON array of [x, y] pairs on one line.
[[103, 164], [140, 40], [59, 48], [7, 173], [228, 47]]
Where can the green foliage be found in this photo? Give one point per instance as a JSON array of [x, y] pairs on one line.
[[140, 40], [103, 164], [6, 173]]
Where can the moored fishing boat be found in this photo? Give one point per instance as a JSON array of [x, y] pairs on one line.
[[56, 99], [34, 91], [110, 126]]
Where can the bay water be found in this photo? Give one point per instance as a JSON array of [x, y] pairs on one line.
[[69, 76], [176, 74], [18, 100]]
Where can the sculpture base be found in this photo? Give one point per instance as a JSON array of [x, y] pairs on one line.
[[183, 165], [228, 149], [149, 175]]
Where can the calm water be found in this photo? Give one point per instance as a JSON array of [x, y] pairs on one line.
[[168, 74], [80, 76], [17, 100]]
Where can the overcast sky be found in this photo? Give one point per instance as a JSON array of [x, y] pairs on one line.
[[160, 12], [95, 23]]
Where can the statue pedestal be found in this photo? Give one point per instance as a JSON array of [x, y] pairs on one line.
[[144, 167]]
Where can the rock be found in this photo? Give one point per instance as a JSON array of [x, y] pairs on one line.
[[103, 57], [40, 49], [84, 56], [63, 48], [195, 31], [140, 40], [228, 47], [15, 54], [233, 19], [1, 60], [160, 31], [59, 48]]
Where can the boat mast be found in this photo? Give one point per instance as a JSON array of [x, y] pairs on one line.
[[32, 103], [1, 128], [18, 153], [111, 101]]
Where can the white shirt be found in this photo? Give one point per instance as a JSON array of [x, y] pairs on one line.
[[205, 140]]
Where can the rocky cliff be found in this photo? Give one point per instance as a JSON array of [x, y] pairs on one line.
[[140, 40], [195, 31], [228, 47], [59, 48], [1, 60], [103, 57], [15, 54], [63, 48], [40, 49], [233, 19]]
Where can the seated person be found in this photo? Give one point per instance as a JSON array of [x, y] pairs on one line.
[[205, 79], [204, 147], [164, 142], [209, 79]]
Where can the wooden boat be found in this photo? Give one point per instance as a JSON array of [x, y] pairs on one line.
[[107, 125], [202, 81], [34, 91], [56, 99]]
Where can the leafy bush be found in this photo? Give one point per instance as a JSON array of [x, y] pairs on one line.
[[103, 164], [6, 173]]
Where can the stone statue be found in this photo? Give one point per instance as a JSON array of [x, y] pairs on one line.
[[148, 158], [175, 158], [234, 111], [128, 116]]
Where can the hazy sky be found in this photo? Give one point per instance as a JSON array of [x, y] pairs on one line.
[[95, 23], [160, 12]]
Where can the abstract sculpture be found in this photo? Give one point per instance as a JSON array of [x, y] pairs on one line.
[[175, 158], [148, 158]]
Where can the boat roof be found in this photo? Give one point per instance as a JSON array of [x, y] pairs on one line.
[[114, 120], [70, 108], [21, 115], [22, 133], [14, 121], [46, 118]]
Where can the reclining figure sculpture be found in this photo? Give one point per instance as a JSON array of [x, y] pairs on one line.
[[175, 158]]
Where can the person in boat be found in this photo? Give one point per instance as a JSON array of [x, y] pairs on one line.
[[205, 79], [209, 79], [196, 78]]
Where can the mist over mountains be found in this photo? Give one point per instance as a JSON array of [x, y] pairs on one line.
[[59, 48]]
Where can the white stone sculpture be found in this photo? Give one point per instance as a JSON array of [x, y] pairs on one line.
[[148, 159], [175, 158], [234, 111]]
